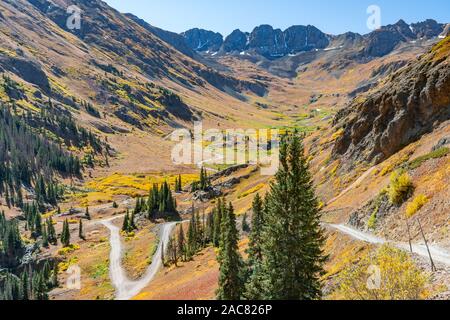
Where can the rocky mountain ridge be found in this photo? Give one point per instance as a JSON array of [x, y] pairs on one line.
[[275, 43], [411, 102]]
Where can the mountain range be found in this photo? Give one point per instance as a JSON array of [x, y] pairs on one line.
[[89, 113], [274, 43]]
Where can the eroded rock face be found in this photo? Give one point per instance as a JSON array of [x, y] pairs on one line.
[[272, 43], [301, 38], [383, 41], [275, 43], [203, 40], [410, 104], [27, 70], [264, 40], [236, 41], [427, 29]]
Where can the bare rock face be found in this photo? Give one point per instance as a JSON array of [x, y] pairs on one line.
[[267, 41], [446, 31], [236, 41], [427, 29], [264, 40], [410, 104], [301, 38], [383, 41], [273, 43], [203, 40], [28, 70]]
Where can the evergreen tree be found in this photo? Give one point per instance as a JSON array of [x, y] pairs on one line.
[[65, 234], [181, 243], [245, 226], [172, 251], [254, 277], [45, 243], [38, 224], [132, 224], [218, 213], [209, 227], [160, 203], [87, 214], [192, 237], [126, 223], [292, 235], [55, 275], [25, 285], [80, 230], [51, 232], [178, 184], [231, 285]]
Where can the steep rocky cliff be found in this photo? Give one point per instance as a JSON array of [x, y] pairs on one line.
[[410, 103]]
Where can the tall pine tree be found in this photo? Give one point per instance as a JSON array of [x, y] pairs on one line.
[[231, 284], [254, 276], [293, 238]]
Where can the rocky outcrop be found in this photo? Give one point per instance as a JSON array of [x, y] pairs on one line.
[[236, 41], [347, 40], [27, 70], [427, 29], [446, 31], [203, 40], [224, 82], [411, 103], [301, 38], [273, 43], [381, 42]]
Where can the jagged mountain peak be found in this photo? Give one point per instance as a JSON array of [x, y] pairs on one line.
[[203, 40], [272, 43]]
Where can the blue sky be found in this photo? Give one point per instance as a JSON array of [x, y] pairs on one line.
[[331, 16]]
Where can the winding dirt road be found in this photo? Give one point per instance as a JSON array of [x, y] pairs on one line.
[[438, 254], [126, 288]]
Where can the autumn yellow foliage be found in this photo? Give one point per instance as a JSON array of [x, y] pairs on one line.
[[400, 187], [387, 274], [414, 206]]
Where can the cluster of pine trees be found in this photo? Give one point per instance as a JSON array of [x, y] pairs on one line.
[[203, 184], [11, 245], [90, 109], [27, 159], [30, 284], [178, 184], [38, 227], [65, 234], [204, 230], [129, 224], [159, 204], [285, 256]]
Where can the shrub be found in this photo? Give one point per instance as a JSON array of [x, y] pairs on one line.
[[400, 187], [415, 205], [399, 278], [372, 223], [439, 153]]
